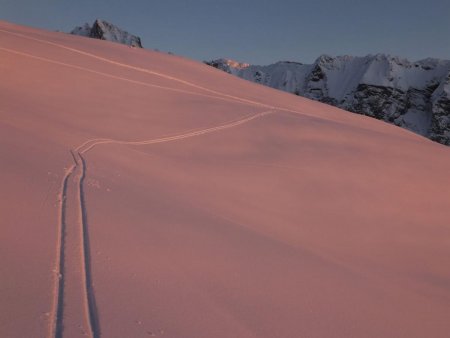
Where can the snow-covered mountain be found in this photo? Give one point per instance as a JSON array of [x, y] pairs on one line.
[[412, 95], [104, 30]]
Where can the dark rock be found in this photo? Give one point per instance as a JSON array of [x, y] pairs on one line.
[[104, 30]]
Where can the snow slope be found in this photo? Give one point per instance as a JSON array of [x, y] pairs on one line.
[[392, 89], [144, 194]]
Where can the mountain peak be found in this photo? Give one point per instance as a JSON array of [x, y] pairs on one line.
[[103, 30], [324, 58], [228, 65]]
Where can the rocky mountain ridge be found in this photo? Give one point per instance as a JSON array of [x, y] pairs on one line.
[[412, 95]]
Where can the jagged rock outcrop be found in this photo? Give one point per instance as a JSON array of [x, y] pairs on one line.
[[104, 30], [440, 121], [412, 95]]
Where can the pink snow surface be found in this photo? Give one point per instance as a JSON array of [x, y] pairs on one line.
[[205, 205]]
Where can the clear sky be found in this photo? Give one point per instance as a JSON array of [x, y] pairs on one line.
[[258, 31]]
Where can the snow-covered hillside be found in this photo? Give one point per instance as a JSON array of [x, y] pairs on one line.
[[104, 30], [148, 195], [413, 95]]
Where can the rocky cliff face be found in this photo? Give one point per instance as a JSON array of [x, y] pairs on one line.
[[106, 31], [412, 95], [440, 122]]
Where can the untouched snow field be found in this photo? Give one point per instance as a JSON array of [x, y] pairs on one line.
[[144, 194]]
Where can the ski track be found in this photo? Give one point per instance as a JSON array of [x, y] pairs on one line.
[[115, 77], [139, 69], [88, 296], [88, 145], [217, 94], [55, 327], [78, 169]]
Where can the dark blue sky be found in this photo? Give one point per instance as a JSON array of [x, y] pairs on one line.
[[258, 31]]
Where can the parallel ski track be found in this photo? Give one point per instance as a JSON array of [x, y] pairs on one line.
[[88, 145], [79, 168], [85, 255]]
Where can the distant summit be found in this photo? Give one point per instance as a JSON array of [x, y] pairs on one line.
[[104, 30], [412, 95], [227, 65]]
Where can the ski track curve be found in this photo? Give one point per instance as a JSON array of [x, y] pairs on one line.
[[88, 145], [75, 175]]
